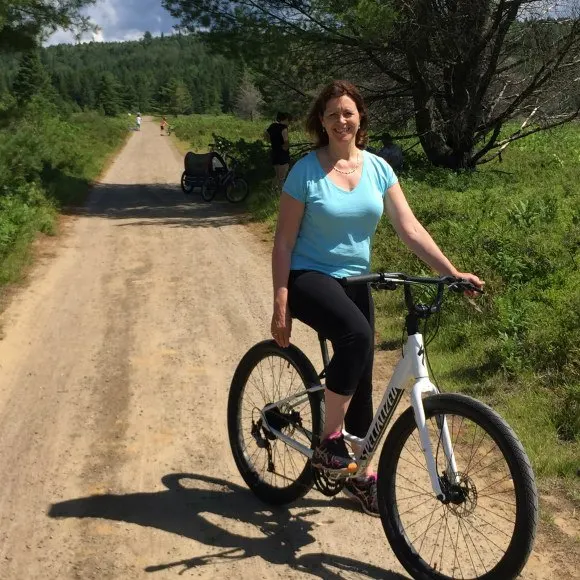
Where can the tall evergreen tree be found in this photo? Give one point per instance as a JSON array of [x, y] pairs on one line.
[[181, 101], [31, 78], [108, 97]]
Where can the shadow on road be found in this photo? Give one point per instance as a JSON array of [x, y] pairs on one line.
[[158, 204], [190, 499]]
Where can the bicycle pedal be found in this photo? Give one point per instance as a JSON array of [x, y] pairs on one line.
[[326, 484]]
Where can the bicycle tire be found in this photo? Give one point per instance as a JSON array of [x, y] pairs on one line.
[[186, 186], [208, 189], [303, 481], [521, 480], [237, 191]]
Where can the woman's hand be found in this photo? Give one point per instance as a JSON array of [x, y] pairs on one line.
[[281, 326], [474, 280]]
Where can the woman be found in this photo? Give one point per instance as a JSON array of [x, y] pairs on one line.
[[277, 135], [331, 204]]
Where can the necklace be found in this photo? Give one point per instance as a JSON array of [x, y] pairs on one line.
[[351, 170]]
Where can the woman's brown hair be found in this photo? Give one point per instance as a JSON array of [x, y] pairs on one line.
[[332, 91]]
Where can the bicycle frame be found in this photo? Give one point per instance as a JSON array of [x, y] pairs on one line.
[[411, 367]]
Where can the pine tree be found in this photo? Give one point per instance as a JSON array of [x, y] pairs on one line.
[[108, 95], [31, 78], [181, 101]]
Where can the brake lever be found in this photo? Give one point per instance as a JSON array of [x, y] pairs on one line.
[[463, 286]]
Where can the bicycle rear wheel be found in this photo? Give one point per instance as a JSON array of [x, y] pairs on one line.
[[274, 471], [237, 191], [485, 527]]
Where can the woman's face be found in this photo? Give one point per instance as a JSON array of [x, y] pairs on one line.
[[341, 119]]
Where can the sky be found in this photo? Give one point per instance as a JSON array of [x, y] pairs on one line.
[[122, 20], [129, 19]]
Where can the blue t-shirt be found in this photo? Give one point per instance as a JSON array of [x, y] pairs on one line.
[[338, 225]]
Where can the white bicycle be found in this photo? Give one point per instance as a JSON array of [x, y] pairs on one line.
[[456, 491]]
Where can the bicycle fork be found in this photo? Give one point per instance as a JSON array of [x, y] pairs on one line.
[[415, 350], [411, 366], [424, 386]]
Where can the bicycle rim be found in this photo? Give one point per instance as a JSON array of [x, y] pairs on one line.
[[280, 472], [237, 191], [474, 535]]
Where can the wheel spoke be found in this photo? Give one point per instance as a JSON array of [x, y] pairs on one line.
[[272, 379]]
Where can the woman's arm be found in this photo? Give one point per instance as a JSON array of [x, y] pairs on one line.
[[289, 220], [286, 143], [417, 238]]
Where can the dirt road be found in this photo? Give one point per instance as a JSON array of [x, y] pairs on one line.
[[114, 371]]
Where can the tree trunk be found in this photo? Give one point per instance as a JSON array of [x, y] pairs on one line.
[[445, 136]]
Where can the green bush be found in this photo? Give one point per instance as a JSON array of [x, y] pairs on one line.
[[46, 162]]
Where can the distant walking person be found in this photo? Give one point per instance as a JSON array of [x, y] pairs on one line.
[[277, 135], [163, 124], [138, 120], [391, 152]]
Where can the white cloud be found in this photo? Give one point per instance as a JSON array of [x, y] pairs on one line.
[[122, 20], [104, 13]]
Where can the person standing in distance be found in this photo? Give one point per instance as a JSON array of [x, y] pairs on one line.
[[330, 206], [138, 121], [277, 135]]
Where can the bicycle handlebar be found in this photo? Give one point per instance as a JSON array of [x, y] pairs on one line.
[[390, 280]]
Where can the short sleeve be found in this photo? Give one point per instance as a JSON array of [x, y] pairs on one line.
[[295, 184], [387, 176]]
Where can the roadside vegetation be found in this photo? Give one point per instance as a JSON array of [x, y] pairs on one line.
[[47, 162]]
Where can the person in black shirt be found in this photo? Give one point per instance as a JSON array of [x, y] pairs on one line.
[[277, 135]]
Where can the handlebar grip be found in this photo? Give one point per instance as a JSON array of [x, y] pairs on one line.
[[362, 279]]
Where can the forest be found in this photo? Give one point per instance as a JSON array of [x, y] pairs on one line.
[[172, 75]]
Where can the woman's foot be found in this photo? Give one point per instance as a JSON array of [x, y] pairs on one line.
[[364, 490], [332, 455]]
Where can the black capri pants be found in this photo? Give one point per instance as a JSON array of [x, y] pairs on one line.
[[345, 316]]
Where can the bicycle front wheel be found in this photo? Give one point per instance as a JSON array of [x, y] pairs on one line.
[[237, 191], [274, 471], [485, 527]]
